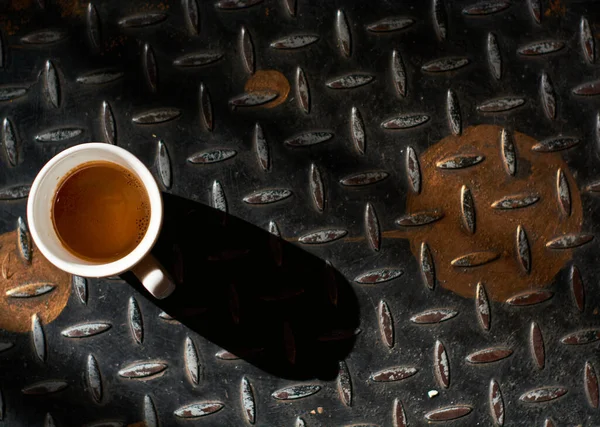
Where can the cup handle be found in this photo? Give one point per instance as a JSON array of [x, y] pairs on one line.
[[154, 277]]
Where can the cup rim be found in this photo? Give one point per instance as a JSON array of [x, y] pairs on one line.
[[139, 252]]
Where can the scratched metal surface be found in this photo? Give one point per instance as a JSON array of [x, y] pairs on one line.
[[372, 86]]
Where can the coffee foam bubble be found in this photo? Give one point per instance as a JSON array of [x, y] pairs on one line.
[[143, 222]]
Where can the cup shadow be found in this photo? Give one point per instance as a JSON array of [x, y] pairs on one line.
[[258, 297]]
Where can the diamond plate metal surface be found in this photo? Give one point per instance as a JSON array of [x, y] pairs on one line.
[[355, 248]]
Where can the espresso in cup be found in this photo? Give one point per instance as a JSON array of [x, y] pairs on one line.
[[95, 210], [100, 211]]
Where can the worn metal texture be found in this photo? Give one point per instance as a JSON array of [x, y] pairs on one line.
[[387, 212]]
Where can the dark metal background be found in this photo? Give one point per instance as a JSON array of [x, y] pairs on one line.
[[49, 50]]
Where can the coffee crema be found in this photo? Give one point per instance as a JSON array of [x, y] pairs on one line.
[[101, 211]]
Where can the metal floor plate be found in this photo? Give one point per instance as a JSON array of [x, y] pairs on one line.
[[403, 217]]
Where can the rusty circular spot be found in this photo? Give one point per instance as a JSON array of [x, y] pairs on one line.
[[269, 80], [495, 229], [16, 313]]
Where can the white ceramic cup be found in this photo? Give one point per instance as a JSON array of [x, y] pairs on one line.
[[39, 214]]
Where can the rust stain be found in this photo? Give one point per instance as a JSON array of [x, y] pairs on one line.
[[15, 313], [114, 43], [18, 5], [9, 27], [269, 80], [555, 8], [495, 229], [12, 27], [138, 7], [72, 8], [11, 23]]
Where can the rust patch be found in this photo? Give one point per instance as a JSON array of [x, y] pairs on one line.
[[271, 80], [555, 8], [12, 27], [15, 313], [72, 8], [495, 230], [8, 27], [11, 23], [149, 7], [114, 43], [18, 5]]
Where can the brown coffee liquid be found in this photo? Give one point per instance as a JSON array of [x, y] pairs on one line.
[[101, 211]]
